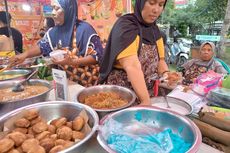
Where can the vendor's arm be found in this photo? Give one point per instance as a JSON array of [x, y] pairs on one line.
[[128, 60], [42, 47], [162, 66], [76, 61], [34, 51], [135, 75], [93, 55]]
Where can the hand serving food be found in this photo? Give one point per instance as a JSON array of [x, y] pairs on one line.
[[66, 58], [171, 79]]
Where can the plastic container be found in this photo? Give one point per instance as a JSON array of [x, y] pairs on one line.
[[219, 97], [58, 55], [206, 82]]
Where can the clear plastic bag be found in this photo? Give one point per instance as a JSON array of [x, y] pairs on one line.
[[136, 137]]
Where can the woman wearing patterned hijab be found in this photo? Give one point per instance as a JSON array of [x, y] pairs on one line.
[[206, 62], [71, 33], [135, 51]]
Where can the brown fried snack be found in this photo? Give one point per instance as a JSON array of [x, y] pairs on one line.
[[43, 135], [19, 149], [29, 136], [36, 149], [17, 137], [68, 144], [59, 122], [53, 137], [36, 120], [78, 135], [13, 151], [60, 142], [22, 123], [64, 143], [52, 129], [40, 127], [174, 78], [29, 143], [31, 114], [47, 144], [22, 130], [70, 124], [186, 89], [31, 131], [57, 149], [65, 133], [6, 144], [78, 123], [54, 121]]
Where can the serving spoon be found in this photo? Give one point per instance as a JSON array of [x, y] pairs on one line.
[[165, 97], [19, 86]]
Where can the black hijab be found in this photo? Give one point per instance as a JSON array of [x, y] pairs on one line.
[[123, 33]]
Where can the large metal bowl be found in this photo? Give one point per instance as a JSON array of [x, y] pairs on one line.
[[11, 105], [123, 92], [55, 109], [164, 119], [23, 74]]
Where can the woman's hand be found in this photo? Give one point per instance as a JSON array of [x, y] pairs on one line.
[[68, 60], [171, 80], [17, 59], [145, 103], [34, 51]]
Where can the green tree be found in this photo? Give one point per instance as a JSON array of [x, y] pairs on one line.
[[196, 17], [224, 31]]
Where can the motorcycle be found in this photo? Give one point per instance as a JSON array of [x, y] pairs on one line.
[[179, 52]]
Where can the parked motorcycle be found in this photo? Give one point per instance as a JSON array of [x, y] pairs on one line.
[[179, 52]]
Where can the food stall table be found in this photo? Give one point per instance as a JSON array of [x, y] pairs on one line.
[[93, 144]]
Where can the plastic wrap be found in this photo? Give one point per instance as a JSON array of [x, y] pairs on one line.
[[219, 97], [137, 137]]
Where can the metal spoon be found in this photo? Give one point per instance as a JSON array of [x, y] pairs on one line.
[[19, 86], [5, 68], [165, 97]]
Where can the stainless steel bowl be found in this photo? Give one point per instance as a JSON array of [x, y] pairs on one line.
[[23, 74], [123, 92], [55, 109], [11, 105], [177, 105], [164, 119]]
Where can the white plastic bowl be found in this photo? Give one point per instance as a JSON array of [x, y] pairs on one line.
[[58, 55]]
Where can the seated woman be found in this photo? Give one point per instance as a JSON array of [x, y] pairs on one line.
[[72, 34], [194, 67], [134, 53]]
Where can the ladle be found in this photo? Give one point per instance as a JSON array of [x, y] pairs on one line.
[[19, 86], [165, 97]]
